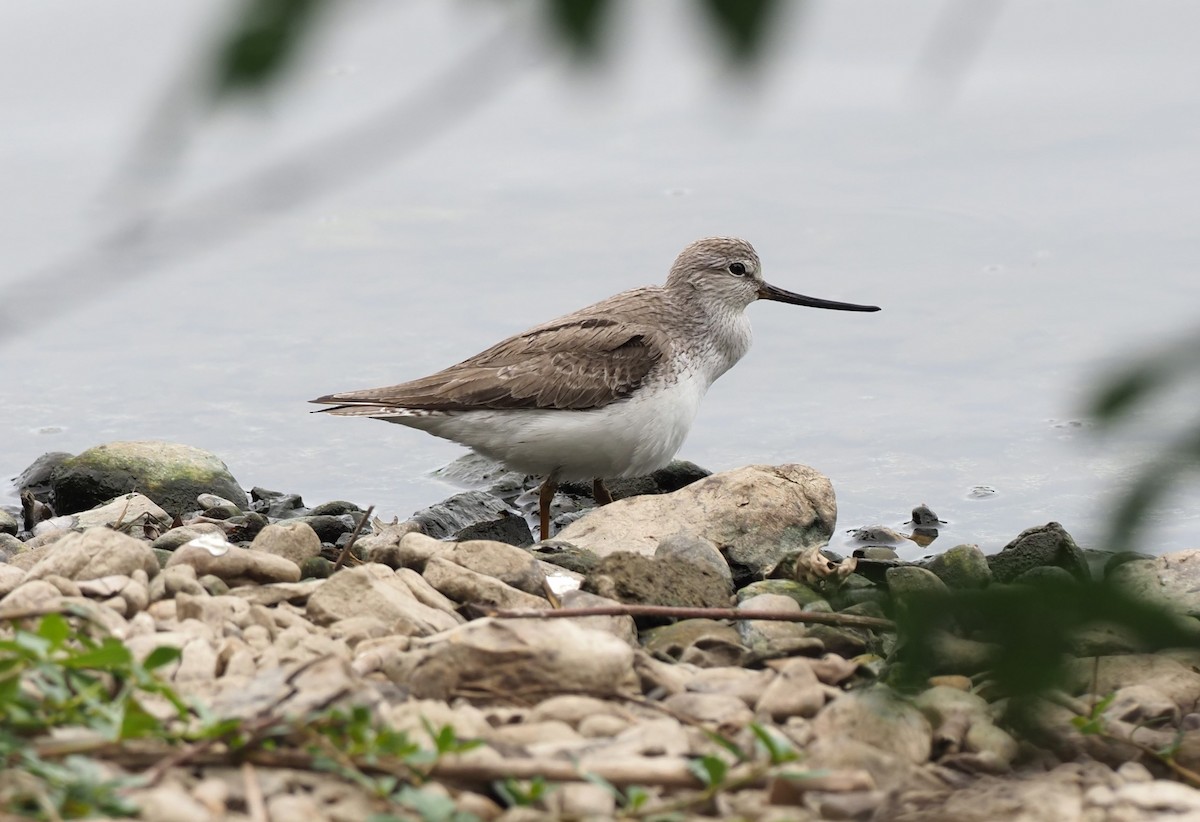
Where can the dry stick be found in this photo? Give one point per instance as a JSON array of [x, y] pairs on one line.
[[256, 805], [358, 526], [817, 617]]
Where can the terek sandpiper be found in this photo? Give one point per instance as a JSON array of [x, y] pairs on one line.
[[608, 391]]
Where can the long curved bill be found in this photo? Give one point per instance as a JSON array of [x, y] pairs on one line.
[[766, 291]]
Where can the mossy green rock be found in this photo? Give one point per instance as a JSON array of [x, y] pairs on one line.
[[171, 474], [963, 566], [1047, 544], [906, 580], [803, 595]]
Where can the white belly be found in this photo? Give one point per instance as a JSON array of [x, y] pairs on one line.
[[628, 438]]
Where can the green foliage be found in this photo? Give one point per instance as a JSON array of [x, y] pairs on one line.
[[1029, 629], [261, 43], [521, 793], [778, 750], [710, 770], [1093, 723]]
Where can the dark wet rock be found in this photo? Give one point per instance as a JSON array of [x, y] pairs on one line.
[[1045, 576], [455, 513], [687, 547], [678, 474], [224, 510], [756, 514], [245, 527], [804, 596], [566, 555], [8, 523], [875, 570], [1046, 544], [36, 478], [280, 506], [508, 528], [963, 566], [703, 642], [635, 579], [171, 474], [882, 552], [334, 508], [878, 535]]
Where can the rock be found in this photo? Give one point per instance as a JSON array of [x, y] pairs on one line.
[[186, 533], [8, 523], [688, 547], [746, 684], [36, 478], [963, 566], [327, 527], [96, 552], [1171, 580], [466, 586], [10, 578], [910, 580], [877, 717], [757, 514], [171, 474], [10, 546], [571, 709], [1050, 577], [517, 656], [400, 546], [795, 691], [35, 593], [512, 566], [622, 627], [1044, 545], [722, 713], [458, 512], [374, 590], [702, 642], [236, 566], [768, 639], [171, 803], [804, 596], [316, 568], [639, 580], [565, 555], [1168, 677], [292, 540], [508, 528]]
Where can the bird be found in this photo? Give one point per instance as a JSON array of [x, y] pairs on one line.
[[607, 391]]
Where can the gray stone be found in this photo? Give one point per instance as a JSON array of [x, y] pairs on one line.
[[96, 552], [879, 718], [963, 566], [1171, 580], [517, 656], [36, 593], [706, 643], [508, 528], [795, 691], [171, 474], [374, 590], [509, 564], [689, 547], [767, 639], [640, 580], [722, 713], [1044, 545], [757, 514], [466, 586], [746, 684], [236, 565], [10, 578], [292, 540], [185, 533], [619, 626], [458, 512], [8, 523]]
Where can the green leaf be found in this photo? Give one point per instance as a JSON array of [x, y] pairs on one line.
[[137, 722], [729, 745], [110, 655], [778, 750], [261, 43], [55, 629], [433, 807], [160, 656], [710, 770]]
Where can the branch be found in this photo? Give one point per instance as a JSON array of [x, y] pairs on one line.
[[814, 617]]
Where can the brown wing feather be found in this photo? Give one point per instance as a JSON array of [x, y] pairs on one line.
[[578, 362]]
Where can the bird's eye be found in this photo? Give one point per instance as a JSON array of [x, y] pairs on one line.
[[737, 269]]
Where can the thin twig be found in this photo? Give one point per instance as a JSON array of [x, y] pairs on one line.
[[815, 617], [358, 526], [256, 805]]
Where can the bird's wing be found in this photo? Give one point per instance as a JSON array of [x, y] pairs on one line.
[[576, 363]]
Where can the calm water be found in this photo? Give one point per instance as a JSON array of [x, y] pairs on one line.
[[1023, 237]]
